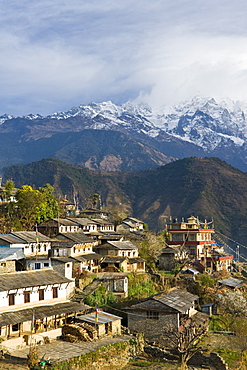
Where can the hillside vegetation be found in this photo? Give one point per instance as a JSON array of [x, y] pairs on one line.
[[205, 187]]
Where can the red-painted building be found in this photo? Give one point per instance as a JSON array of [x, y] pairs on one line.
[[197, 237]]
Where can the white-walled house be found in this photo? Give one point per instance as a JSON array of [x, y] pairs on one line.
[[123, 255], [79, 247], [72, 245], [34, 303], [55, 226], [33, 243]]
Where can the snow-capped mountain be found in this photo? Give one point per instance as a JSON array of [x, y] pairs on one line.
[[199, 127]]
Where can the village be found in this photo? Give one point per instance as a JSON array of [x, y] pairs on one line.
[[72, 280]]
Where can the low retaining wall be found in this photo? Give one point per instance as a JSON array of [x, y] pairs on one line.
[[111, 357]]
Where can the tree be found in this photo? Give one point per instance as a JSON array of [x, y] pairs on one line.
[[35, 205], [49, 208], [233, 305], [240, 338], [9, 186], [95, 198], [185, 339]]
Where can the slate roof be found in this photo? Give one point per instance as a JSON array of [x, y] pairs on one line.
[[116, 244], [77, 237], [134, 219], [65, 221], [29, 279], [114, 259], [88, 257], [39, 312], [177, 299], [82, 221], [170, 250], [63, 259], [100, 221], [135, 260], [11, 254], [30, 236]]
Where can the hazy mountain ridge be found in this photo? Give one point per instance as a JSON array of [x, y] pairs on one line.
[[204, 187]]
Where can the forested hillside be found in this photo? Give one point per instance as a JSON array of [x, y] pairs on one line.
[[203, 187]]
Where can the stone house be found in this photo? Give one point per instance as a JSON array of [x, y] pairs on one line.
[[130, 224], [106, 324], [117, 283], [75, 244], [80, 247], [161, 312], [11, 260], [63, 265], [122, 255], [34, 304], [55, 226], [104, 225], [168, 258], [86, 225]]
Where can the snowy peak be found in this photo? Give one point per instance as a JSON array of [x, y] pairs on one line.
[[200, 125]]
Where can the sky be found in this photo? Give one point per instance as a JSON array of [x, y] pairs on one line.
[[62, 53]]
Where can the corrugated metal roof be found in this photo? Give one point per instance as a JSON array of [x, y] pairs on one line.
[[231, 282], [33, 278], [11, 254], [19, 316], [103, 317]]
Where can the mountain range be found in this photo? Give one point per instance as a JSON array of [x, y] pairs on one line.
[[130, 137], [204, 187]]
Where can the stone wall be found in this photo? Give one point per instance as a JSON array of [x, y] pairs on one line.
[[153, 329], [7, 266], [111, 357]]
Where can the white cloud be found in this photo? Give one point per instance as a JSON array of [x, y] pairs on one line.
[[63, 53]]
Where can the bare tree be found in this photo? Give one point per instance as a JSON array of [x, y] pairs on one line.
[[185, 339]]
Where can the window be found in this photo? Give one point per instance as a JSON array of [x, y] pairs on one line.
[[41, 294], [37, 265], [16, 327], [11, 299], [54, 292], [46, 264], [26, 297], [68, 265], [3, 264], [153, 315]]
